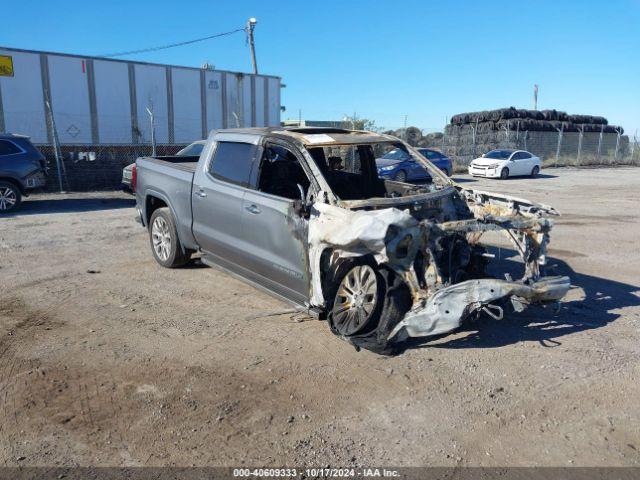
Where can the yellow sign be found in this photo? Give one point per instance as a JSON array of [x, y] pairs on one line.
[[6, 66]]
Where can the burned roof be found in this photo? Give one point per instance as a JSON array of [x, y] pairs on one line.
[[316, 136]]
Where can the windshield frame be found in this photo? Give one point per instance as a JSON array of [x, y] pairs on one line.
[[438, 178]]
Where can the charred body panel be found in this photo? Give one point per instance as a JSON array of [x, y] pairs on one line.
[[443, 264]]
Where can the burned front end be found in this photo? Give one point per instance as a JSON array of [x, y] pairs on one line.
[[432, 242], [447, 276], [389, 259]]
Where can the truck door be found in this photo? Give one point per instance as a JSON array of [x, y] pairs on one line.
[[277, 232], [219, 186]]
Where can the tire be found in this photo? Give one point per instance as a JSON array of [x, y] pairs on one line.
[[401, 176], [10, 197], [392, 303], [164, 241], [504, 173], [535, 170]]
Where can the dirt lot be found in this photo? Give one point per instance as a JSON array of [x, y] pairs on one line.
[[108, 359]]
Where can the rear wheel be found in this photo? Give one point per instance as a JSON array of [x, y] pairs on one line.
[[163, 236], [10, 197], [367, 304], [401, 176], [535, 171], [504, 174]]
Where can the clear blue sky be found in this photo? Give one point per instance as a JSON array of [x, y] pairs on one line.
[[382, 59]]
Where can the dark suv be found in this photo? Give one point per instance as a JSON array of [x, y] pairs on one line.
[[22, 169]]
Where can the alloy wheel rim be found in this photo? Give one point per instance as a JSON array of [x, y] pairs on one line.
[[8, 198], [355, 300], [161, 238]]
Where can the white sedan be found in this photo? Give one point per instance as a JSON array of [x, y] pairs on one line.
[[505, 163]]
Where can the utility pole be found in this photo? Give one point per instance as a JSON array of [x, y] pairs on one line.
[[251, 24], [535, 96]]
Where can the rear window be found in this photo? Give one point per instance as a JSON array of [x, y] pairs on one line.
[[431, 154], [8, 148], [232, 162], [195, 149]]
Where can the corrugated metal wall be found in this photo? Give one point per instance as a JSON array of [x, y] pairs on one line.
[[100, 101]]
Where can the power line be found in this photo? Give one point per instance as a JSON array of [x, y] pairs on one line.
[[179, 44]]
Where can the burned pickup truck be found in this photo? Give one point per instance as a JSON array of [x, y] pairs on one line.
[[302, 213]]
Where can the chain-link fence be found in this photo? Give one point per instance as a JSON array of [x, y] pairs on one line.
[[89, 165], [95, 167], [572, 147], [92, 156]]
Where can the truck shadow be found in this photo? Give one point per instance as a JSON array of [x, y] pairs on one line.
[[602, 298], [70, 205]]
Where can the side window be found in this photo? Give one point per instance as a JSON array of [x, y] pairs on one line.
[[8, 148], [516, 156], [525, 155], [431, 155], [281, 173], [232, 162]]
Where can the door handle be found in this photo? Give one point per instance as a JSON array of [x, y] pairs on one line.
[[252, 209], [200, 192]]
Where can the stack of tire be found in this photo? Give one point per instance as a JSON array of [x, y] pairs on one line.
[[491, 127], [414, 137]]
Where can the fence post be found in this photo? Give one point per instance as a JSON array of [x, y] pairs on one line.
[[153, 129], [506, 133], [474, 129], [444, 132], [600, 141], [580, 136], [615, 155], [56, 145], [633, 145], [560, 131], [526, 134]]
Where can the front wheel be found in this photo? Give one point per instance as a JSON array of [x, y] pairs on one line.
[[163, 236], [367, 304], [504, 174], [535, 171], [10, 197], [401, 176]]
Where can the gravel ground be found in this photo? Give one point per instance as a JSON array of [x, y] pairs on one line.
[[108, 359]]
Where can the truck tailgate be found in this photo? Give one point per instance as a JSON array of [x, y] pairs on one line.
[[171, 183]]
